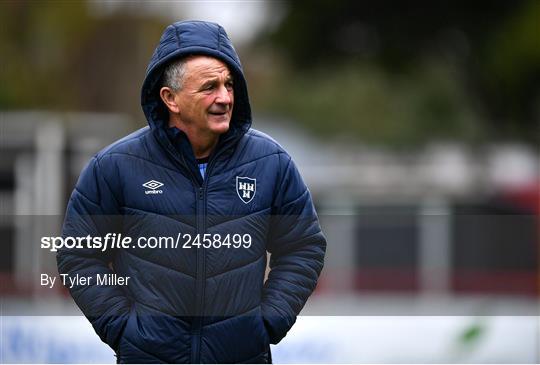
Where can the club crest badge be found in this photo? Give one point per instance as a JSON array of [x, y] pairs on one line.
[[246, 188]]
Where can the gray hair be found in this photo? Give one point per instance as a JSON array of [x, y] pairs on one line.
[[174, 74]]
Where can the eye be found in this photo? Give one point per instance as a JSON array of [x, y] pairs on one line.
[[229, 85]]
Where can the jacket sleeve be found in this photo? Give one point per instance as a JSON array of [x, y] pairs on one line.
[[297, 247], [91, 211]]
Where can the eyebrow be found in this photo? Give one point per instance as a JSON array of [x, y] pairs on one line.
[[213, 80]]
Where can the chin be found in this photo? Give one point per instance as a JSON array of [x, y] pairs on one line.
[[220, 127]]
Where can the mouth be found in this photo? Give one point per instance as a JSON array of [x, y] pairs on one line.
[[219, 113]]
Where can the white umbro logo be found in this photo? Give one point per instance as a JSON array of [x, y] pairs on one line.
[[153, 185]]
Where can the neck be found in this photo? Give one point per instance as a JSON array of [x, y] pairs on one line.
[[202, 143], [202, 148]]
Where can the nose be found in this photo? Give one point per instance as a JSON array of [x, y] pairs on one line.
[[224, 95]]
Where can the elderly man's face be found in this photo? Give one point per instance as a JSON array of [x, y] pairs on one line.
[[206, 98]]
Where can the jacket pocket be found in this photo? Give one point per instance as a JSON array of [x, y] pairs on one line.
[[122, 334], [263, 330]]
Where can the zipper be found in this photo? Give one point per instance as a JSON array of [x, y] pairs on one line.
[[199, 285], [200, 275], [201, 257], [201, 264]]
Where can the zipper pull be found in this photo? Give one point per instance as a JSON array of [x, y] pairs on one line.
[[201, 193]]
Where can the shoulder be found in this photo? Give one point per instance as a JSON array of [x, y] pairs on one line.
[[131, 144], [256, 147], [134, 146], [260, 143], [103, 166]]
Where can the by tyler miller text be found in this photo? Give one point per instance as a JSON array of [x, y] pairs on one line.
[[71, 281]]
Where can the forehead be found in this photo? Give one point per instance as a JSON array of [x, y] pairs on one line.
[[203, 67]]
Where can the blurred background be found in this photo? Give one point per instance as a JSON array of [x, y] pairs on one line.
[[416, 126]]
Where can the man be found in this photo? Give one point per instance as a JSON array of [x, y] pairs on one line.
[[229, 193]]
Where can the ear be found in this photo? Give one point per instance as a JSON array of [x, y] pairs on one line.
[[168, 97]]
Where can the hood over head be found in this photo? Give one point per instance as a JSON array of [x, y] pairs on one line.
[[186, 38]]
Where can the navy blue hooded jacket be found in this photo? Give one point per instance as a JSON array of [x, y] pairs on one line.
[[197, 304]]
